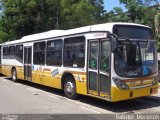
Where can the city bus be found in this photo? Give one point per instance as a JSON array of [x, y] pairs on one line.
[[110, 61], [0, 60]]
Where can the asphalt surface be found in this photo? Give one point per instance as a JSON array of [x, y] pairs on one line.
[[28, 98]]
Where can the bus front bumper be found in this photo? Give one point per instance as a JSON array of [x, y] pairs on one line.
[[119, 94]]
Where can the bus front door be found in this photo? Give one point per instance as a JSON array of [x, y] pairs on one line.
[[27, 63], [98, 68]]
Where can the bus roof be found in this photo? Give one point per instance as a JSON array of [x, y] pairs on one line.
[[57, 33]]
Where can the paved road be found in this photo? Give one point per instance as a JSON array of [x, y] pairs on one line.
[[28, 98]]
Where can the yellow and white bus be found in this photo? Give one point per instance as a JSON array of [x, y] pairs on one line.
[[0, 61], [110, 61]]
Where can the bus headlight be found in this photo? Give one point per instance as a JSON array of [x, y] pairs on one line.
[[120, 83]]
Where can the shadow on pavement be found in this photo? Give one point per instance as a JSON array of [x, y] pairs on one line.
[[121, 106]]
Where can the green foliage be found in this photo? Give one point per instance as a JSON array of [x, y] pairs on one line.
[[76, 14], [158, 43], [99, 12], [117, 15], [24, 17]]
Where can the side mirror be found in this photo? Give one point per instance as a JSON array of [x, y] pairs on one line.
[[114, 41]]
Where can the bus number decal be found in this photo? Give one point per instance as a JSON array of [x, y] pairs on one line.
[[55, 72]]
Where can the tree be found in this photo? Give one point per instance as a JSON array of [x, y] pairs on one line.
[[24, 17], [157, 29], [141, 11], [117, 15], [99, 11], [76, 13]]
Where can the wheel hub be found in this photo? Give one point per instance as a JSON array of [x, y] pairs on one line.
[[69, 87], [14, 75]]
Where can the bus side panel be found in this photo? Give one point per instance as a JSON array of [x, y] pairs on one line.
[[43, 77], [37, 77], [1, 69], [81, 84], [20, 72], [54, 82], [6, 70], [48, 78]]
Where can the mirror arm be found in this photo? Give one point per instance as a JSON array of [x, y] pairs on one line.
[[114, 41], [113, 35]]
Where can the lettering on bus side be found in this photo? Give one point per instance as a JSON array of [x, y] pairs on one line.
[[55, 72], [100, 35]]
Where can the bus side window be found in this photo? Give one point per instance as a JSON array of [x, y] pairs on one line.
[[39, 53], [74, 52], [19, 53], [5, 52], [12, 52], [54, 52]]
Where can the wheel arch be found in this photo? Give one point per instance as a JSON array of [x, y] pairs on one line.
[[14, 74], [65, 76], [13, 68]]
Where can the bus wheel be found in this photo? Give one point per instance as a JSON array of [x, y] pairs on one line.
[[14, 75], [70, 88]]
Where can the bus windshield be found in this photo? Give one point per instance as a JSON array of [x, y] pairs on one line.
[[135, 58], [133, 32]]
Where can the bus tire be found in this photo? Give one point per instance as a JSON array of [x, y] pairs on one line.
[[70, 87], [14, 75]]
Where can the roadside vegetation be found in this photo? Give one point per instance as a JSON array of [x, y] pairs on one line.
[[23, 17]]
